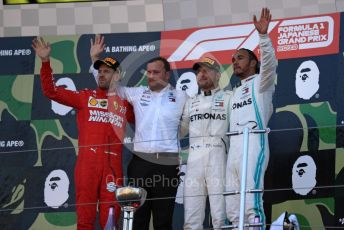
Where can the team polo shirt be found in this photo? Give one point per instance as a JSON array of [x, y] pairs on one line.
[[157, 117]]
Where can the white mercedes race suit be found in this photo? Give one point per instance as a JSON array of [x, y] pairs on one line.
[[206, 116], [251, 104]]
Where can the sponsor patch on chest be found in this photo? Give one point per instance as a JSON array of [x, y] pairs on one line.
[[97, 103], [145, 98], [105, 117], [171, 97], [242, 103]]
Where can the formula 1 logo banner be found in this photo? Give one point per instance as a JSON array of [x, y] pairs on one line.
[[292, 38]]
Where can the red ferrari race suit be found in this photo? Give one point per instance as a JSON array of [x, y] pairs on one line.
[[101, 122]]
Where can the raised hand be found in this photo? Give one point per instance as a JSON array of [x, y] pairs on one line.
[[41, 48], [97, 47], [263, 24]]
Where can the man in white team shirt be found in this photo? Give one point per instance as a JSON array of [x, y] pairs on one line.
[[251, 106], [158, 109], [205, 117]]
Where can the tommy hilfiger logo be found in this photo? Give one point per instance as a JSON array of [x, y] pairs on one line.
[[245, 90], [219, 103]]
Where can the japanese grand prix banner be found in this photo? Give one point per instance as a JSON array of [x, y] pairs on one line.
[[298, 37], [38, 138]]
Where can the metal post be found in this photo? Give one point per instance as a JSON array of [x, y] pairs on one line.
[[125, 221], [128, 218], [131, 216], [243, 179], [246, 131]]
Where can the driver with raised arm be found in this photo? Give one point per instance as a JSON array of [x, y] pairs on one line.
[[251, 107]]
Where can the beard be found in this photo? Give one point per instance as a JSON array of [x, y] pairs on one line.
[[156, 85], [103, 85]]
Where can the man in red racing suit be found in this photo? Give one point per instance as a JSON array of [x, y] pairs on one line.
[[101, 121]]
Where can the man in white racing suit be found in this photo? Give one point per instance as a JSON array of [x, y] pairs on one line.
[[251, 107], [205, 117]]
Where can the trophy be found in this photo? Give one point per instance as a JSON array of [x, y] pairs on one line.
[[130, 199]]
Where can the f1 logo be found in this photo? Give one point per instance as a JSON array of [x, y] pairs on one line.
[[217, 39]]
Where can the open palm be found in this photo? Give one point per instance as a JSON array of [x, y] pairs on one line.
[[97, 47], [262, 24], [41, 48]]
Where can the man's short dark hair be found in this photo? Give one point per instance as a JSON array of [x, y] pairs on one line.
[[163, 60], [252, 56]]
